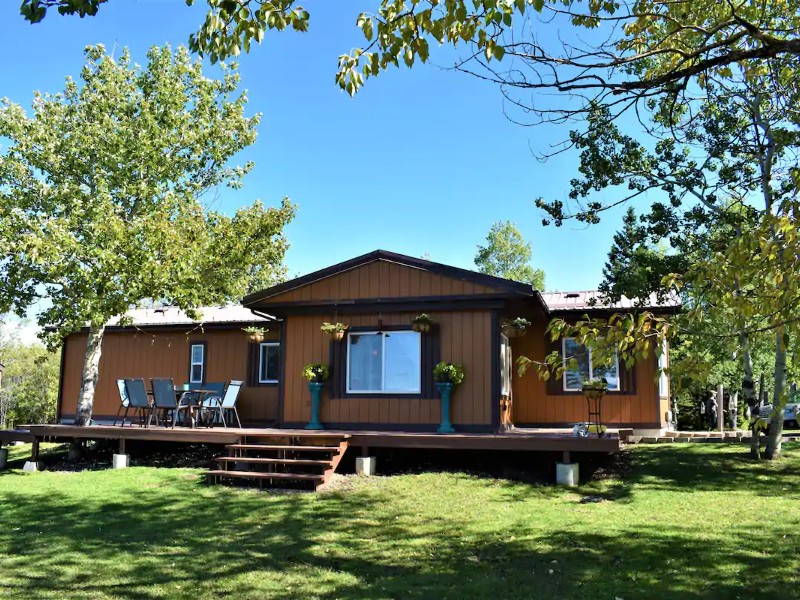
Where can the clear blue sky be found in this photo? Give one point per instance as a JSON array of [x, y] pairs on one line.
[[420, 161]]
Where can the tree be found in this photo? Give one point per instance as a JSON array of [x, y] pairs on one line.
[[508, 255], [645, 47], [102, 198], [29, 389]]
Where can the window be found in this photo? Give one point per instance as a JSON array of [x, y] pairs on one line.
[[384, 362], [197, 364], [574, 377], [663, 383], [505, 366], [269, 357]]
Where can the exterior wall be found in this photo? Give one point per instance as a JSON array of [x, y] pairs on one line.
[[465, 338], [381, 279], [165, 353], [532, 405]]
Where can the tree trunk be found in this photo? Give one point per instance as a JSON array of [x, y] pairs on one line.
[[749, 394], [775, 436], [91, 371]]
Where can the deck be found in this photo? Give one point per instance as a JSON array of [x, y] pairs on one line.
[[530, 440]]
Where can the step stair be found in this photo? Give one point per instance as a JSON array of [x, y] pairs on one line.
[[281, 461]]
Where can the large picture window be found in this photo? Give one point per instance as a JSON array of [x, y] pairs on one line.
[[197, 363], [384, 362], [585, 368], [269, 358]]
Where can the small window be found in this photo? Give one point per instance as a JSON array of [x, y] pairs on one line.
[[197, 366], [505, 366], [269, 360], [663, 364], [384, 362], [584, 369]]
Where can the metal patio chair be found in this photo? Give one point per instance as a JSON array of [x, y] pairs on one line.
[[124, 402], [137, 400], [226, 403], [165, 400]]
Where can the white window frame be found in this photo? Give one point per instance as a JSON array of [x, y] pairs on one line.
[[663, 378], [591, 368], [383, 335], [505, 366], [261, 349], [202, 363]]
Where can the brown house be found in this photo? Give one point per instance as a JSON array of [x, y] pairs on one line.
[[381, 371]]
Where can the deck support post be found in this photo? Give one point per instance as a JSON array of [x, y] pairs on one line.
[[365, 465], [33, 465], [120, 461], [3, 457]]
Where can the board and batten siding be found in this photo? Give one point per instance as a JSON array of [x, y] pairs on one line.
[[464, 338], [381, 279], [534, 406], [165, 353]]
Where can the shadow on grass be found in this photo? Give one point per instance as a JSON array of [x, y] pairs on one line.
[[174, 538]]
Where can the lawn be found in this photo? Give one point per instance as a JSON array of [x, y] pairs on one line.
[[687, 521]]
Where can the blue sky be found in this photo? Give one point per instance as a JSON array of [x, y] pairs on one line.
[[421, 161]]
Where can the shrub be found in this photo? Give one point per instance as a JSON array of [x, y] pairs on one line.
[[316, 372]]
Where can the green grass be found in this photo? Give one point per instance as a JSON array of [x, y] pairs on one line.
[[688, 521]]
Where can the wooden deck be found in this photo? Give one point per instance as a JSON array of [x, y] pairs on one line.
[[530, 440]]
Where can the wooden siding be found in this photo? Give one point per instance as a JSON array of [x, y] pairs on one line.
[[165, 353], [380, 279], [533, 406], [464, 337]]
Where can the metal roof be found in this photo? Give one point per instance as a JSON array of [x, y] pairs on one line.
[[594, 300], [171, 315]]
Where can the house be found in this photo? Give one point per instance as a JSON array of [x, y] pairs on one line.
[[381, 371]]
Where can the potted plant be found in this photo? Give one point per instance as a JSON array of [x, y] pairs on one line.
[[316, 374], [447, 376], [422, 323], [594, 390], [256, 334], [335, 330], [515, 327]]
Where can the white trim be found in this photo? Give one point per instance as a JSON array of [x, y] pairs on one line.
[[201, 364], [261, 347], [591, 368], [383, 335]]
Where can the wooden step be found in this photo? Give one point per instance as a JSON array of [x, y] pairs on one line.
[[282, 447], [275, 461], [262, 475]]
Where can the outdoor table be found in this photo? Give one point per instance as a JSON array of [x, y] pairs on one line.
[[194, 399]]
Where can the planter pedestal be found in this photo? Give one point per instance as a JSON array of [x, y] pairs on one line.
[[316, 391], [446, 390]]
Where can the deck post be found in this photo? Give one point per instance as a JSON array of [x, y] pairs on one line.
[[365, 465], [121, 460], [3, 457], [33, 465], [567, 474]]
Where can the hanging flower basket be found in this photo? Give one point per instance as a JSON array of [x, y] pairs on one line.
[[335, 330], [422, 323], [256, 334], [515, 327]]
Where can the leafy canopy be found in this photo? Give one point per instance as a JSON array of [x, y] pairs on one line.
[[104, 194], [507, 254]]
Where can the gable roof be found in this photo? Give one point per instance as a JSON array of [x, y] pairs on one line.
[[593, 300], [502, 285]]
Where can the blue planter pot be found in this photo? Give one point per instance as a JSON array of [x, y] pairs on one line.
[[445, 390], [316, 392]]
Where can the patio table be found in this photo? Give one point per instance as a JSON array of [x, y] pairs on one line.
[[194, 399]]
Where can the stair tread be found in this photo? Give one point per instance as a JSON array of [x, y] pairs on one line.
[[283, 447], [262, 475], [277, 461]]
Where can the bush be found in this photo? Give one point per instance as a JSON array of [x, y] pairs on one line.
[[316, 372]]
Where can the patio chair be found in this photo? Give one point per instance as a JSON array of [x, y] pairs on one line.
[[219, 405], [124, 402], [213, 389], [137, 399], [165, 401]]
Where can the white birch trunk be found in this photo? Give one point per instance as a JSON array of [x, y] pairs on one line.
[[91, 372], [775, 437]]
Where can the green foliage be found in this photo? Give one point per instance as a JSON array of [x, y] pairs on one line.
[[446, 372], [255, 331], [333, 328], [316, 372], [422, 323], [101, 194], [29, 385], [518, 323], [508, 255]]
